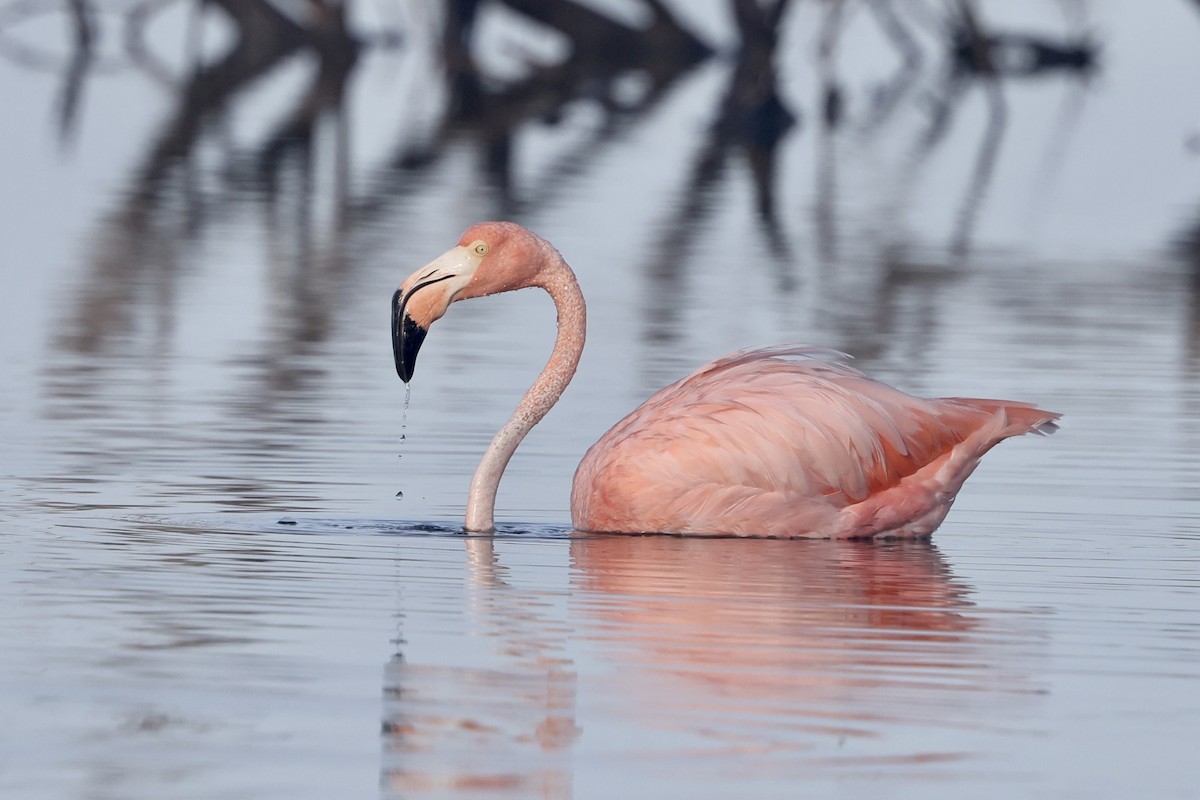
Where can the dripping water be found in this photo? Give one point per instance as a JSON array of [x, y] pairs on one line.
[[403, 428]]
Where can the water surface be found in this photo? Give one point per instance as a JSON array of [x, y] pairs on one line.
[[211, 588]]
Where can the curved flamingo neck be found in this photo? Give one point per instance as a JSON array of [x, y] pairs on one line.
[[559, 281]]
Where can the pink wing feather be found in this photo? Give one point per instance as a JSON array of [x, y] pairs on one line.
[[789, 441]]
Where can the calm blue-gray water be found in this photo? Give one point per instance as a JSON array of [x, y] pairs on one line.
[[230, 557]]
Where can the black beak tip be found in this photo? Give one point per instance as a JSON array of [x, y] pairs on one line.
[[407, 337], [411, 337]]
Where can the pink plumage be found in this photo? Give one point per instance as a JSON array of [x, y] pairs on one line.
[[789, 441], [784, 441]]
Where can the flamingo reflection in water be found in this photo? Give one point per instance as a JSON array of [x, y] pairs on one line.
[[851, 654]]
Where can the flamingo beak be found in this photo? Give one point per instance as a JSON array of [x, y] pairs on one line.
[[422, 300], [407, 337]]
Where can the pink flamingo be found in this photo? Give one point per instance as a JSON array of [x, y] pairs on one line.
[[780, 442]]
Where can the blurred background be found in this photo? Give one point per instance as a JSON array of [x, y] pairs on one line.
[[206, 202], [207, 205]]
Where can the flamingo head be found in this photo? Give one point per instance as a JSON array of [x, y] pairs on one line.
[[490, 258]]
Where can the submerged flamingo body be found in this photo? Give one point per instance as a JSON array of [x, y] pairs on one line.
[[781, 442], [789, 441]]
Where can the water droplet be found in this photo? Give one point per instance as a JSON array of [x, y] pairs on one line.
[[399, 495]]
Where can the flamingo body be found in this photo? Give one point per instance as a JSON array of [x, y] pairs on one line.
[[789, 442], [781, 442]]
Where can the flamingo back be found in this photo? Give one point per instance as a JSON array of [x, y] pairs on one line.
[[789, 441]]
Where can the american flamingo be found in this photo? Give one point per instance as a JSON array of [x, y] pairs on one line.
[[780, 442]]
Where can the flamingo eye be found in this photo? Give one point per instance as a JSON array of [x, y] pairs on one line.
[[480, 248]]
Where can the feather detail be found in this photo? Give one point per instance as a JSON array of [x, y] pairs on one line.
[[782, 441]]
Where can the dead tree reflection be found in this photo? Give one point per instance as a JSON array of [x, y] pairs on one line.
[[620, 70], [984, 58], [974, 60], [605, 54], [751, 117], [81, 59], [751, 120], [174, 195]]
